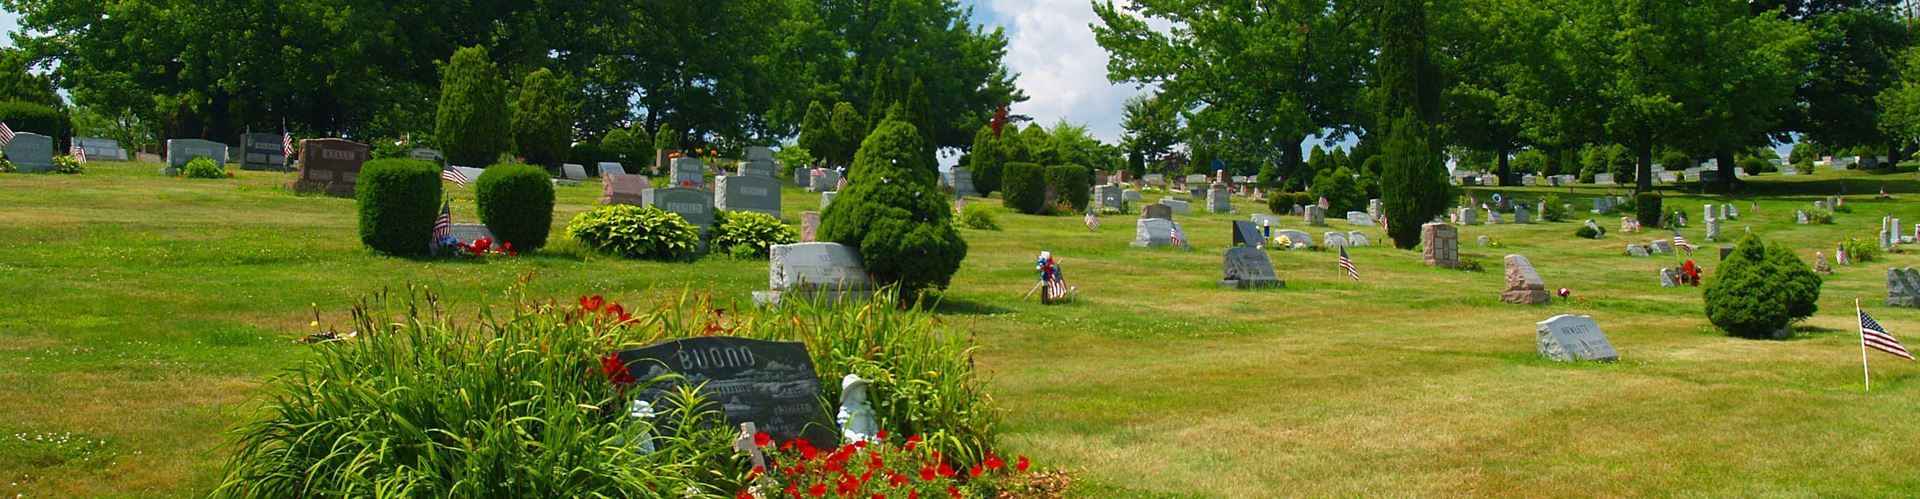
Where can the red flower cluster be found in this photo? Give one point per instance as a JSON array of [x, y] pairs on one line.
[[484, 245], [616, 370], [877, 470], [593, 305]]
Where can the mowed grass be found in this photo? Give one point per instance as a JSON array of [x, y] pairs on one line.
[[141, 313]]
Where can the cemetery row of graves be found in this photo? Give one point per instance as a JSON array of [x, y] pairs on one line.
[[798, 360]]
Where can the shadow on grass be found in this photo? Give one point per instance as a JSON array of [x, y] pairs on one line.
[[948, 305]]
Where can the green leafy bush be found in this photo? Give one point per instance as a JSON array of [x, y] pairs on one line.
[[977, 217], [987, 161], [203, 167], [399, 200], [1282, 203], [23, 116], [1343, 193], [1588, 232], [1554, 210], [635, 232], [1821, 217], [516, 203], [893, 211], [1024, 187], [542, 120], [66, 164], [1860, 250], [791, 157], [7, 166], [1470, 264], [1646, 208], [472, 121], [1759, 289], [666, 138], [748, 234], [1753, 165], [1073, 182]]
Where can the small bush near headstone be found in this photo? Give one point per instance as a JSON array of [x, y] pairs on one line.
[[23, 116], [1470, 264], [1822, 217], [977, 217], [1861, 250], [893, 211], [1073, 182], [7, 166], [792, 156], [66, 164], [1554, 210], [1588, 232], [1760, 289], [1646, 208], [748, 234], [516, 203], [399, 200], [1343, 193], [1282, 203], [1843, 209], [1753, 165], [635, 232], [203, 167], [1024, 187]]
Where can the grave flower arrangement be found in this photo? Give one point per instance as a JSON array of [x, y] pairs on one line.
[[885, 469], [484, 247]]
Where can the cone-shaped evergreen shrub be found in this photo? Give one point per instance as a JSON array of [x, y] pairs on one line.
[[816, 132], [896, 214], [1024, 187], [1413, 186], [399, 200], [542, 120], [1646, 208], [516, 203], [849, 129], [1073, 182], [472, 122], [988, 157], [1759, 289]]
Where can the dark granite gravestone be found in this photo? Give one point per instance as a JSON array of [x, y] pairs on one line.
[[330, 166], [1159, 211], [694, 205], [31, 152], [771, 384], [180, 151], [262, 151], [1724, 251], [1248, 268], [1247, 234]]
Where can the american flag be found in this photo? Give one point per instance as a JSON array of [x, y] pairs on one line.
[[1178, 240], [79, 154], [1056, 288], [1324, 205], [443, 228], [1874, 336], [449, 172], [1681, 241], [6, 134], [286, 141], [959, 204], [1346, 263], [1093, 222], [842, 185]]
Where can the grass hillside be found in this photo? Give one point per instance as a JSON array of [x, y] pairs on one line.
[[141, 313]]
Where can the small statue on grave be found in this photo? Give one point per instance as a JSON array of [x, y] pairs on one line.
[[856, 417]]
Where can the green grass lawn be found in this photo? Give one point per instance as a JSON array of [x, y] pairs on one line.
[[141, 313]]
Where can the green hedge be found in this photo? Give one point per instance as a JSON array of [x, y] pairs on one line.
[[399, 200], [1024, 187], [1281, 203], [516, 203], [635, 232], [1073, 182], [22, 116]]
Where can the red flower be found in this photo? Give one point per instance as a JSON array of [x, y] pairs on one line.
[[873, 461], [744, 494], [913, 494], [615, 310], [481, 245], [845, 486], [882, 435], [615, 370], [926, 473], [994, 463], [896, 479], [762, 439], [912, 440], [945, 470], [953, 491], [592, 303], [974, 472], [1021, 464], [807, 452], [817, 490]]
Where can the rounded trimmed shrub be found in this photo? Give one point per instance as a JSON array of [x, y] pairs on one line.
[[23, 116], [542, 120], [203, 167], [986, 160], [1074, 183], [516, 203], [1024, 187], [472, 121], [399, 200], [1646, 208], [978, 217], [893, 211], [629, 231], [1760, 289], [748, 234]]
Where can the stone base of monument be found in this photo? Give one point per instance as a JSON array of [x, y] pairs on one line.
[[1526, 297], [562, 181], [1251, 283], [823, 297]]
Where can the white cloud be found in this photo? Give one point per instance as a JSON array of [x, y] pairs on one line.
[[1062, 69]]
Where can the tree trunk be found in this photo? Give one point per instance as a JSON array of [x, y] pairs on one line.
[[1643, 159], [1506, 168], [1893, 153], [1727, 173], [1290, 160]]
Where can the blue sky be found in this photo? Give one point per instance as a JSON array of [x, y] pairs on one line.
[[1062, 70]]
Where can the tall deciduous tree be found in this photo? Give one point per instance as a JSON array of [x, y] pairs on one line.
[[1152, 126], [1270, 74]]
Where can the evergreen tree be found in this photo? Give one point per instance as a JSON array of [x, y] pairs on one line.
[[893, 211], [988, 157], [1413, 181], [666, 138], [472, 122], [816, 133], [1039, 146], [848, 130], [543, 120]]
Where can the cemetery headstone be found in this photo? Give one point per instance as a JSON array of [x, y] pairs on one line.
[[1636, 250], [433, 155], [1571, 338], [1359, 218], [1669, 277], [1728, 250], [1661, 246], [770, 384], [1247, 234], [179, 152], [1603, 179], [1291, 239], [1179, 206], [1375, 208], [572, 171], [694, 205], [1219, 198], [826, 198], [620, 188], [1903, 287], [1248, 268], [1524, 286], [828, 272], [803, 177], [262, 151], [825, 180], [331, 166], [1159, 211], [689, 172], [809, 225], [1467, 215], [1522, 215], [1132, 196], [1713, 229], [962, 180], [1440, 245], [468, 233], [1315, 216], [1800, 217], [33, 153], [610, 168], [1153, 233], [1483, 240], [1108, 197], [1155, 179], [1266, 220], [1331, 240], [1494, 217], [748, 193], [1357, 240], [98, 149]]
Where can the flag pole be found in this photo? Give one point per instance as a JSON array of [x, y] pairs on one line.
[[1864, 372]]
